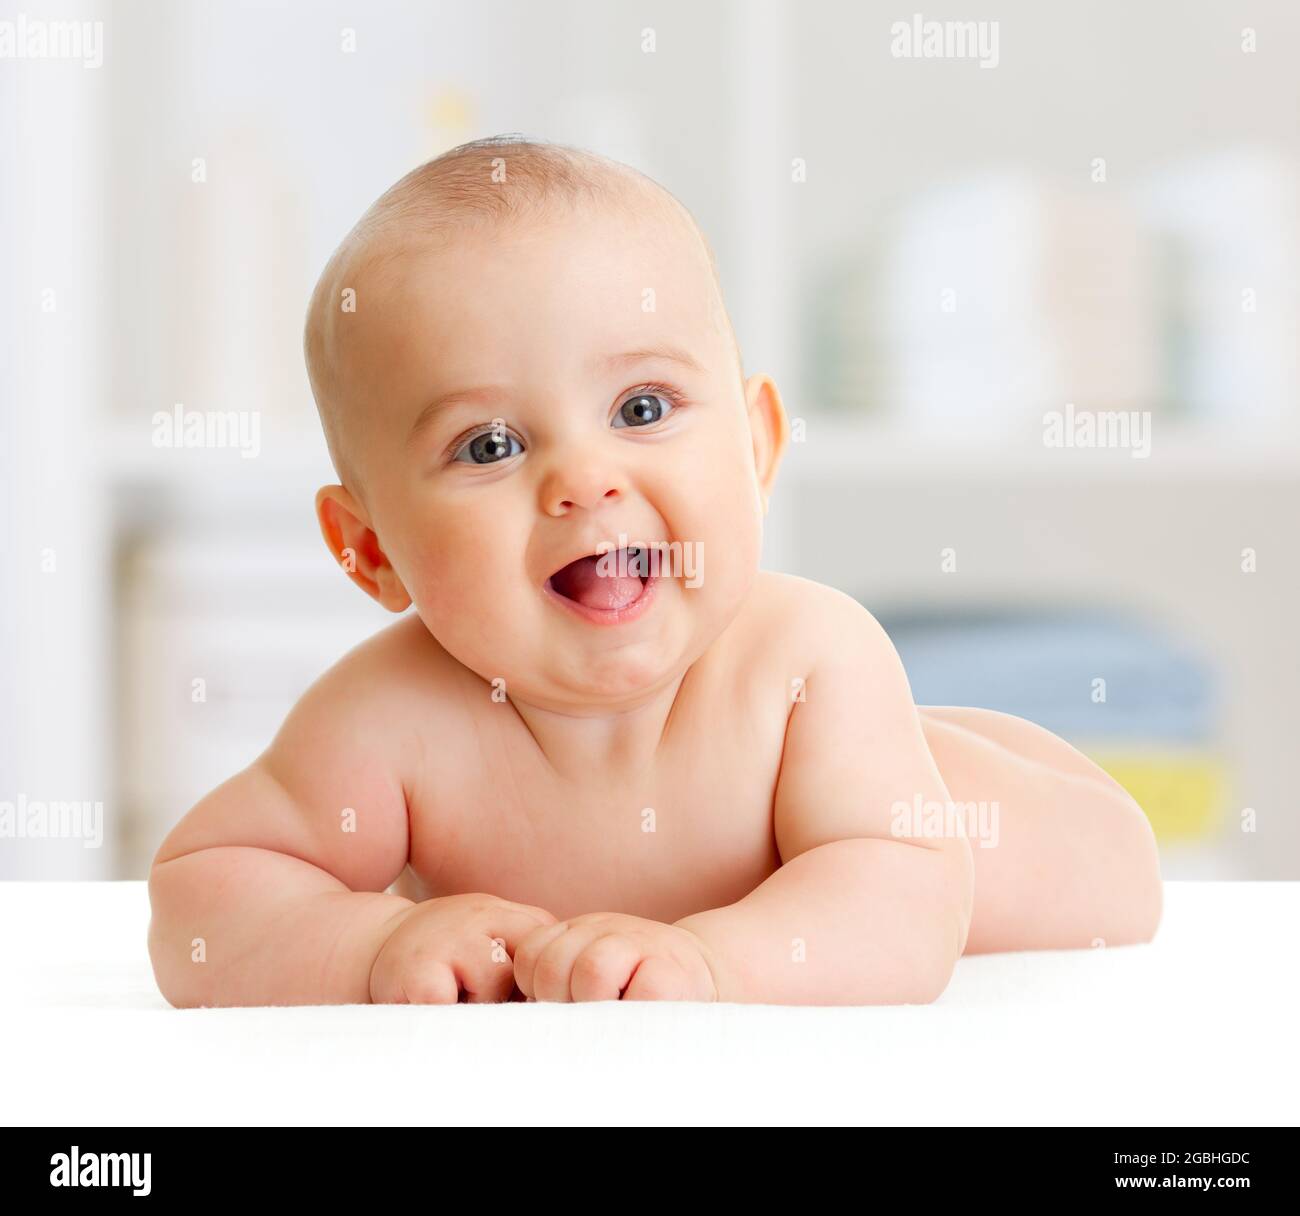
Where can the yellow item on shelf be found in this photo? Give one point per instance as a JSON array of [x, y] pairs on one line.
[[1183, 793]]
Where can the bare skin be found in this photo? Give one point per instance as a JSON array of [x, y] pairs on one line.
[[695, 797]]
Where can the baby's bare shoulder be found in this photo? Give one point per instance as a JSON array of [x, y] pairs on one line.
[[383, 696], [807, 623], [400, 661]]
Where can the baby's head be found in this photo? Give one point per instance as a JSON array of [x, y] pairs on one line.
[[522, 359]]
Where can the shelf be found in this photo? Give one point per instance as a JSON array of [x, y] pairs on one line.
[[838, 445]]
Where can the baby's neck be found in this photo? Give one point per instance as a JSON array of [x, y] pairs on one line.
[[586, 744]]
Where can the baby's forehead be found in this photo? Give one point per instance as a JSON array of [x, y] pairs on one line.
[[633, 219], [642, 264]]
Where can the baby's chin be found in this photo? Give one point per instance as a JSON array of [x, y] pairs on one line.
[[609, 680], [581, 680], [577, 675], [545, 653]]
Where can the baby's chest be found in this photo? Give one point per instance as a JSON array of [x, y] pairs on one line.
[[688, 836]]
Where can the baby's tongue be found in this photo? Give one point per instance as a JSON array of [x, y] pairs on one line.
[[580, 581]]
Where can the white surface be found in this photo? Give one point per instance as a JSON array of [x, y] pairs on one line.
[[1197, 1028]]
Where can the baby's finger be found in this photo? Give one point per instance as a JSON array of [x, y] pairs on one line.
[[429, 982], [602, 970], [485, 970], [657, 979], [527, 954], [554, 965]]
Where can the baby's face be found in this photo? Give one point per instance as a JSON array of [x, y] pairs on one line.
[[532, 398]]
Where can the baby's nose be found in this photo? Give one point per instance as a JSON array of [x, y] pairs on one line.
[[580, 485]]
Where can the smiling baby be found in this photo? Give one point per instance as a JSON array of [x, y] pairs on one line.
[[605, 757]]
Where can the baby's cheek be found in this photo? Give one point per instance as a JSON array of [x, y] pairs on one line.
[[732, 509], [471, 621], [469, 595], [435, 578], [723, 557]]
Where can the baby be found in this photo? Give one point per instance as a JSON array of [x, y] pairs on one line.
[[606, 757]]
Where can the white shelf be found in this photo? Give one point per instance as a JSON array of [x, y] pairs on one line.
[[149, 485], [1195, 454]]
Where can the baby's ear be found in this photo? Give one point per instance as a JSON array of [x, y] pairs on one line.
[[350, 538], [769, 428]]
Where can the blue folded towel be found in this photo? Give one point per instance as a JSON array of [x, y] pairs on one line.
[[1042, 667]]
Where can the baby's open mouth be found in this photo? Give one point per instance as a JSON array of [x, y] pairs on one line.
[[604, 582]]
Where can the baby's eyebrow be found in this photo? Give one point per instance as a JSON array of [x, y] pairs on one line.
[[485, 396], [670, 354]]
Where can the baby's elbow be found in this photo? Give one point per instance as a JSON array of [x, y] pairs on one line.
[[941, 939], [961, 888], [931, 980], [170, 979], [173, 993], [174, 972], [1137, 888], [936, 959]]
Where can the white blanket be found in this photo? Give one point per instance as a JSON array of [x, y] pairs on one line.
[[1197, 1028]]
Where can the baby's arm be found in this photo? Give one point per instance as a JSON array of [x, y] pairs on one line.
[[856, 914], [255, 903], [271, 891]]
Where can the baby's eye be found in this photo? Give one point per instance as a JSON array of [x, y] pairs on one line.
[[644, 409], [488, 447]]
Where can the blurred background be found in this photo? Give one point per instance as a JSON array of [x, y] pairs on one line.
[[964, 269]]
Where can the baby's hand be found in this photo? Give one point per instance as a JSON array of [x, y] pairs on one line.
[[457, 944], [605, 956]]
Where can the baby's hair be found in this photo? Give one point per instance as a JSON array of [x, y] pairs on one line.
[[498, 178], [502, 180]]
